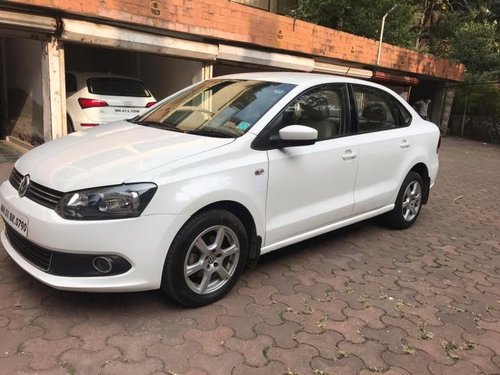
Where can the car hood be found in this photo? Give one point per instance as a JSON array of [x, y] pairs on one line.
[[108, 155]]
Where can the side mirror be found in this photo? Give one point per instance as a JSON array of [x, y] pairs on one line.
[[295, 135]]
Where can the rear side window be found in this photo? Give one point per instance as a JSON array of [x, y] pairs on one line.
[[117, 87], [377, 110]]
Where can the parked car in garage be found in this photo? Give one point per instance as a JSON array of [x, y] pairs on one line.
[[184, 196], [97, 98]]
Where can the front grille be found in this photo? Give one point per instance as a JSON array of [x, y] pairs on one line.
[[15, 178], [36, 255], [62, 264], [36, 192]]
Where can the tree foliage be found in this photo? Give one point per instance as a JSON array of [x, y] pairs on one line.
[[362, 17], [462, 30]]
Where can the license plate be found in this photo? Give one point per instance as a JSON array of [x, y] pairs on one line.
[[126, 110], [17, 221]]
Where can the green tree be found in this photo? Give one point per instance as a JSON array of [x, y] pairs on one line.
[[363, 18], [470, 37], [462, 30]]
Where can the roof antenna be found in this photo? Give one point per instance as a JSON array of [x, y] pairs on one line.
[[347, 71]]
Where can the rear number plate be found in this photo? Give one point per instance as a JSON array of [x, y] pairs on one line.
[[126, 110]]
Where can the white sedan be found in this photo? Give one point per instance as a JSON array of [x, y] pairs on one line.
[[186, 195]]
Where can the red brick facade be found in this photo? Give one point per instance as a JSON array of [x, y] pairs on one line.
[[225, 20]]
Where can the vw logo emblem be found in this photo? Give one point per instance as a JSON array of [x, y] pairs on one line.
[[24, 185]]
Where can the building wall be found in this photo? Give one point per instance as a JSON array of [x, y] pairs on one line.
[[167, 75], [226, 20]]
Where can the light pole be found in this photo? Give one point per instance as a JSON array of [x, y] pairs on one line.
[[382, 32]]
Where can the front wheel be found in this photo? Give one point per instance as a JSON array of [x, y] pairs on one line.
[[205, 259], [408, 203]]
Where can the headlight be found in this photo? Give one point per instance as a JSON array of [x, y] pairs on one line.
[[111, 202]]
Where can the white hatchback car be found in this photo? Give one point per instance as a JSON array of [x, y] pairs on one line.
[[186, 195], [98, 98]]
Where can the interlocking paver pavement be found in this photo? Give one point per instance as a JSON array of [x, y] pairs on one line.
[[362, 300]]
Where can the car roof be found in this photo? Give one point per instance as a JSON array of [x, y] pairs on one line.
[[295, 78], [86, 75]]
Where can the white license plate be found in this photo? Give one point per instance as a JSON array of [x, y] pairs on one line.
[[126, 110], [17, 221]]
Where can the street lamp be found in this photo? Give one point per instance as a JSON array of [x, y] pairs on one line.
[[382, 32]]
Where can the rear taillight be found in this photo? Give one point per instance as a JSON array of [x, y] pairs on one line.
[[91, 103], [150, 104], [87, 125], [439, 144]]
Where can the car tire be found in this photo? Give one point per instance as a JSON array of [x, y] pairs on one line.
[[205, 259], [408, 203]]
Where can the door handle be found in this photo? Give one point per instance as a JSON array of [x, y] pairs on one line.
[[349, 155], [405, 143]]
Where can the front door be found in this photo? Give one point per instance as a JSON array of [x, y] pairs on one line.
[[312, 186]]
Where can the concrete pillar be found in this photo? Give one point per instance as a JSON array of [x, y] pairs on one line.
[[448, 103], [441, 106], [207, 71], [3, 83], [437, 103], [54, 90]]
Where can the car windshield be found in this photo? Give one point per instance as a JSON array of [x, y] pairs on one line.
[[116, 86], [217, 108]]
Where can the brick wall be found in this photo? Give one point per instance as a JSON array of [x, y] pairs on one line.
[[225, 20]]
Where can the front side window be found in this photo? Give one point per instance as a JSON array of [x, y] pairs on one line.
[[218, 108], [376, 109], [321, 108]]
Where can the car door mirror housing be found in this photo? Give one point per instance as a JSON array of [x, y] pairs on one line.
[[295, 135]]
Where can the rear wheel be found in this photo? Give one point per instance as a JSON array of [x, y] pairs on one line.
[[408, 203], [205, 259]]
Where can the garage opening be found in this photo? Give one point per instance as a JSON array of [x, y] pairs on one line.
[[21, 92], [221, 69], [232, 59], [161, 76]]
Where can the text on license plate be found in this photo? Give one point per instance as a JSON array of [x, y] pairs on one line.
[[126, 110], [16, 220]]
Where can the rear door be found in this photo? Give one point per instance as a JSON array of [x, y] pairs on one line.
[[384, 147]]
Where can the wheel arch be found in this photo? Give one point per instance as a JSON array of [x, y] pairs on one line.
[[423, 171], [255, 241]]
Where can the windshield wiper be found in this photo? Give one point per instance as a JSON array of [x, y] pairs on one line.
[[212, 133], [159, 125]]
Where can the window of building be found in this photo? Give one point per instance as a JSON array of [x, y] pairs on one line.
[[275, 6], [261, 4]]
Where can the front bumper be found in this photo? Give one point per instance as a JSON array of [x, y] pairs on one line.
[[143, 242]]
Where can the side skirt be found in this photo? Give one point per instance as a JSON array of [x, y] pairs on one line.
[[325, 229]]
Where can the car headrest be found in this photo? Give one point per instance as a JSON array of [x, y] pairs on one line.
[[374, 112], [315, 107]]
